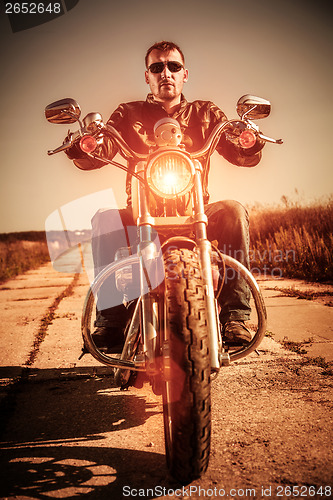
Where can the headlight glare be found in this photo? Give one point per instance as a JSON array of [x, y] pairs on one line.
[[170, 174]]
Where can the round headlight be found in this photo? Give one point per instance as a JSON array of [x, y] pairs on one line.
[[170, 174]]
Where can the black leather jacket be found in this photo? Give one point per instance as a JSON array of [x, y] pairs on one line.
[[135, 122]]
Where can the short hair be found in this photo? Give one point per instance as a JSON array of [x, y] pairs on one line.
[[164, 46]]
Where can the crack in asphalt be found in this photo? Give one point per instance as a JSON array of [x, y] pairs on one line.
[[47, 320]]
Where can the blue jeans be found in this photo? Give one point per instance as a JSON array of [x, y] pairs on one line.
[[228, 224]]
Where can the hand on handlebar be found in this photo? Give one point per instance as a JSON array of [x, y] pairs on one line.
[[244, 136], [72, 147]]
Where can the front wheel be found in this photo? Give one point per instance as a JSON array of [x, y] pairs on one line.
[[186, 358]]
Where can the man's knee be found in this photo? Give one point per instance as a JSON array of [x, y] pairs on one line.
[[227, 209], [109, 220]]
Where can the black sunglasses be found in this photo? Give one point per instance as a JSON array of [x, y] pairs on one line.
[[158, 67]]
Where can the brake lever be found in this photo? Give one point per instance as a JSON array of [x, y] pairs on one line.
[[259, 134], [63, 147], [73, 137], [269, 139]]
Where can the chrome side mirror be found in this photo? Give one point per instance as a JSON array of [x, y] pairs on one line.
[[65, 111], [252, 107]]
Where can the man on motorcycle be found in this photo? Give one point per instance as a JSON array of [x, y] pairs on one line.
[[227, 220]]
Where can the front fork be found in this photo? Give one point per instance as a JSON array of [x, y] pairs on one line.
[[148, 254], [204, 248], [149, 269], [215, 344]]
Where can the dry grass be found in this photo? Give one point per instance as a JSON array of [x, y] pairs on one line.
[[295, 239], [20, 252]]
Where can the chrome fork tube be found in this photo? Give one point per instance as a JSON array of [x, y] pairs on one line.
[[149, 306], [204, 248]]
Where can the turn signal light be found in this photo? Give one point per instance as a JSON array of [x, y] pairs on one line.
[[88, 143], [247, 139]]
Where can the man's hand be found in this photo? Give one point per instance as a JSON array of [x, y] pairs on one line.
[[233, 136]]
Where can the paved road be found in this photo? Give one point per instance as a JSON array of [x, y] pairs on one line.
[[68, 431]]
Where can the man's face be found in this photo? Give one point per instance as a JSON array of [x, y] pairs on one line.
[[167, 85]]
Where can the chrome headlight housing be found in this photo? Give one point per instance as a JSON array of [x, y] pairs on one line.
[[170, 174]]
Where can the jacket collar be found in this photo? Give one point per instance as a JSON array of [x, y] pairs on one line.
[[183, 103]]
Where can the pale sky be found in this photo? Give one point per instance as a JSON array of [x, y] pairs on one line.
[[280, 50]]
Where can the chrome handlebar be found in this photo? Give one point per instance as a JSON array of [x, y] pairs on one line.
[[129, 153]]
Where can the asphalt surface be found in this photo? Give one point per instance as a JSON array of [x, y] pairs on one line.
[[68, 432]]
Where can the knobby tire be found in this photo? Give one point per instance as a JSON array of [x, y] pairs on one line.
[[186, 389]]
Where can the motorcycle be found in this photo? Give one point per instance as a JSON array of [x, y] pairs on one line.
[[174, 337]]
